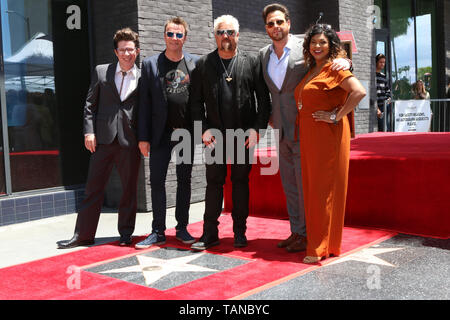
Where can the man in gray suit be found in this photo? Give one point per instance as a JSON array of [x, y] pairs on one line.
[[110, 135], [283, 69]]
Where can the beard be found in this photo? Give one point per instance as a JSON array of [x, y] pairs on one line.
[[279, 35], [227, 45]]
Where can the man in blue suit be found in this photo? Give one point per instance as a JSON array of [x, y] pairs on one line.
[[163, 108]]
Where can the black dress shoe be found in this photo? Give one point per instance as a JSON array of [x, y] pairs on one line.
[[205, 243], [240, 241], [74, 242], [125, 240]]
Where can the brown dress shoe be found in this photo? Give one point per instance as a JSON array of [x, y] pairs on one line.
[[293, 237], [297, 245]]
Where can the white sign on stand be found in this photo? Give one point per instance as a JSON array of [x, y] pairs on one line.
[[412, 116]]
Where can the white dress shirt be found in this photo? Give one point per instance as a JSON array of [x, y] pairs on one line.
[[129, 82], [276, 68]]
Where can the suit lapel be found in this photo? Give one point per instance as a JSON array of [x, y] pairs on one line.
[[294, 55], [212, 72], [159, 74], [212, 64], [189, 63], [265, 62], [290, 67], [239, 70], [110, 74], [138, 73]]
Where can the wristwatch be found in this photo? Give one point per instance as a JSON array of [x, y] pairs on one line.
[[351, 64], [333, 117]]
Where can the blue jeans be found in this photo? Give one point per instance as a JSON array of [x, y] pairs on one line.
[[159, 163], [388, 117]]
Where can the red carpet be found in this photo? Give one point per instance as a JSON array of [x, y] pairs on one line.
[[400, 182], [397, 181], [267, 265]]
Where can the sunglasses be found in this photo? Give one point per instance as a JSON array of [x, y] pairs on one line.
[[230, 33], [271, 24], [325, 26], [171, 34]]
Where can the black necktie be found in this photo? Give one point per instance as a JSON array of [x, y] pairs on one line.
[[121, 84]]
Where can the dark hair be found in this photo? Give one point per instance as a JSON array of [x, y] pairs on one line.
[[380, 56], [126, 34], [177, 20], [333, 39], [275, 7]]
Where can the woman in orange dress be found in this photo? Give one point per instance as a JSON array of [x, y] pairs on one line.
[[325, 97]]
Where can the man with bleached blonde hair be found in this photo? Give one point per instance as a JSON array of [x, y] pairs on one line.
[[225, 86], [226, 18]]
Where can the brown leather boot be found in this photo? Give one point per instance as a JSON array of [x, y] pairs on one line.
[[293, 237], [297, 246]]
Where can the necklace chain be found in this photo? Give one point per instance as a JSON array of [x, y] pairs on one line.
[[228, 78]]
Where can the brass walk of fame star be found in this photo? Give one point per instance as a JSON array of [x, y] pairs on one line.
[[154, 269], [368, 256]]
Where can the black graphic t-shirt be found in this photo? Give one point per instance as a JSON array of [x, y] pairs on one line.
[[176, 85]]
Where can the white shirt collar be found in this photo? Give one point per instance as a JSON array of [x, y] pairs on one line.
[[132, 70], [287, 47]]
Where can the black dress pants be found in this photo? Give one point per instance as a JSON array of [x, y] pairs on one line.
[[216, 174], [127, 161]]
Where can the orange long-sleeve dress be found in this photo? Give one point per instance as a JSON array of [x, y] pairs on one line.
[[325, 154]]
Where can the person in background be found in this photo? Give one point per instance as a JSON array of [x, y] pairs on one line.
[[419, 91], [383, 95], [228, 92]]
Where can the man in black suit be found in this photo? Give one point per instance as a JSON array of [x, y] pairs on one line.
[[225, 87], [163, 108], [110, 135]]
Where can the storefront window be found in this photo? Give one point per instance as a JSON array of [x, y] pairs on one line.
[[413, 37], [380, 14], [2, 165], [403, 48], [381, 47], [30, 94], [425, 39]]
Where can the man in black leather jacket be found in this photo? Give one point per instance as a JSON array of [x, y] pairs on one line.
[[228, 94]]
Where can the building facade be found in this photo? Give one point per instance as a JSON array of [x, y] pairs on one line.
[[49, 48]]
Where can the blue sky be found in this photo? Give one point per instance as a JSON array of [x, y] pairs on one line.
[[404, 46]]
